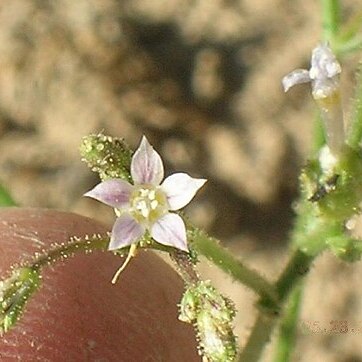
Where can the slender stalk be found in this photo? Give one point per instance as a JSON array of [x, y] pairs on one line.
[[355, 132], [331, 11], [213, 251], [258, 338], [297, 267], [288, 326], [319, 137], [64, 251]]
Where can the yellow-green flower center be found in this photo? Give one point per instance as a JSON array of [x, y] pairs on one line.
[[148, 203]]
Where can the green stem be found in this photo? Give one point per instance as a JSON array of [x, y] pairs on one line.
[[64, 251], [297, 267], [258, 338], [265, 323], [330, 19], [355, 132], [212, 250], [319, 137], [288, 326]]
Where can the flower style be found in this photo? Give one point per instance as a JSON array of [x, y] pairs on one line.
[[146, 205], [324, 76]]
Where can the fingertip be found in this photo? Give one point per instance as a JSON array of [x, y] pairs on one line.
[[78, 314]]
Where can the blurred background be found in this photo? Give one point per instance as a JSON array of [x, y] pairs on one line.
[[200, 78]]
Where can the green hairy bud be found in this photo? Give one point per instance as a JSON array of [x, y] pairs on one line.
[[109, 156], [211, 314]]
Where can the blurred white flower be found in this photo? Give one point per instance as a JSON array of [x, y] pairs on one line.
[[324, 77]]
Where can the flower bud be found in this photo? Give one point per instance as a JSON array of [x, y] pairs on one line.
[[211, 314], [324, 76], [109, 156]]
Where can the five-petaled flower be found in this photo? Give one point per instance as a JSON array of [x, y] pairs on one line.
[[146, 205]]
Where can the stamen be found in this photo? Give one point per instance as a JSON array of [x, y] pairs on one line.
[[148, 204], [131, 254]]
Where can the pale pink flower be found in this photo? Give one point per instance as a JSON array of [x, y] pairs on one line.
[[146, 205]]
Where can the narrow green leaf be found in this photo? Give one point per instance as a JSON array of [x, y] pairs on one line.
[[5, 198]]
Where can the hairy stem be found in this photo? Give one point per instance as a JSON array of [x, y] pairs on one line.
[[64, 251], [288, 326], [213, 251], [259, 337], [297, 267]]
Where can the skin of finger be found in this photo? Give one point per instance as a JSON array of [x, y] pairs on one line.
[[78, 315]]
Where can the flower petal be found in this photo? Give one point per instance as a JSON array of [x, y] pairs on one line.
[[170, 230], [114, 192], [180, 188], [298, 76], [125, 232], [146, 165]]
